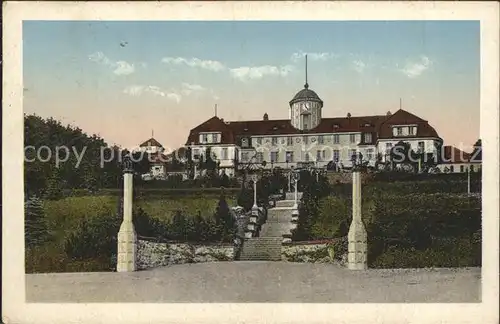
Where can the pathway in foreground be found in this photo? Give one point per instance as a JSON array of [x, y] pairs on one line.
[[258, 282]]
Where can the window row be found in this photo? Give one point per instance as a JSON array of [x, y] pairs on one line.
[[353, 138], [320, 156]]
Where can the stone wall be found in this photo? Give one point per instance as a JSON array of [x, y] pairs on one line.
[[152, 254], [310, 252]]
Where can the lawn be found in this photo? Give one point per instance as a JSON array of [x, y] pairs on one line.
[[63, 216]]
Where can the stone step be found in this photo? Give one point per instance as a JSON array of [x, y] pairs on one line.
[[262, 249], [285, 203]]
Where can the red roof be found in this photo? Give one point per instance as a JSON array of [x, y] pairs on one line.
[[453, 155], [379, 126], [151, 142]]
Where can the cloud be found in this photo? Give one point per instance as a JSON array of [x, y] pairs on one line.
[[323, 56], [124, 68], [215, 66], [138, 90], [415, 69], [359, 66], [188, 88], [120, 67], [245, 73]]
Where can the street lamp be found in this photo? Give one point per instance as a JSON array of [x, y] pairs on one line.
[[254, 179], [296, 177]]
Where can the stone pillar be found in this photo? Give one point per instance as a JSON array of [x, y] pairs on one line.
[[357, 237], [127, 238]]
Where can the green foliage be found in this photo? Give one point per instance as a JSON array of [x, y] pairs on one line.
[[456, 252], [312, 192], [333, 219], [50, 133], [54, 186], [35, 226]]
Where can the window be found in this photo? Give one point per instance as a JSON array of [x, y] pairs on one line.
[[452, 169], [368, 137], [352, 138], [244, 156], [274, 157], [224, 154], [421, 147], [196, 154], [369, 154], [259, 156], [204, 138], [259, 140], [336, 155], [306, 157], [321, 139], [318, 155], [388, 147], [214, 138], [399, 131], [323, 155], [274, 140], [462, 168], [289, 157], [411, 130], [244, 142], [335, 139], [289, 140], [306, 139], [471, 168], [352, 154]]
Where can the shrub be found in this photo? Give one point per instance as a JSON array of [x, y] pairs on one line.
[[35, 226], [333, 219], [456, 252]]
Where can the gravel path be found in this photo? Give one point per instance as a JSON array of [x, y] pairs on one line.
[[259, 282]]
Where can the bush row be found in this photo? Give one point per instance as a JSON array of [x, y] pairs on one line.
[[398, 222]]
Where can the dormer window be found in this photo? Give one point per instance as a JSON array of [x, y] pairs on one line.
[[368, 125], [275, 128], [399, 131], [368, 137], [245, 130], [204, 138], [335, 126]]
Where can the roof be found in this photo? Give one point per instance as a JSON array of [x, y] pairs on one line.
[[452, 154], [379, 125], [151, 142], [306, 94]]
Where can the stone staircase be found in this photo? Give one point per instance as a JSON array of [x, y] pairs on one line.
[[261, 249], [276, 230]]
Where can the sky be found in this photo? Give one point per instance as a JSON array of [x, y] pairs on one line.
[[127, 80]]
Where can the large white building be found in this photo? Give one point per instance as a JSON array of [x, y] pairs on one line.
[[308, 137]]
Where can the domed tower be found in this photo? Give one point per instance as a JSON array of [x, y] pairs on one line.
[[305, 108]]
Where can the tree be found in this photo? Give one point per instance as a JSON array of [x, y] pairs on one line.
[[224, 219], [54, 186], [35, 227], [403, 155], [477, 152]]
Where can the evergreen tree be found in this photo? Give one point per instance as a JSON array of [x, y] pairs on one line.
[[35, 227], [54, 186]]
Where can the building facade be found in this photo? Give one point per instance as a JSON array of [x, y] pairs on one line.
[[306, 137]]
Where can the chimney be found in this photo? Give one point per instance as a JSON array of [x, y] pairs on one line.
[[348, 115], [266, 117], [388, 113], [222, 119]]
